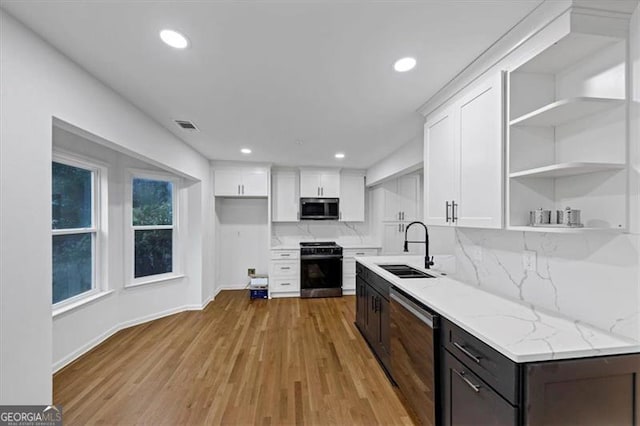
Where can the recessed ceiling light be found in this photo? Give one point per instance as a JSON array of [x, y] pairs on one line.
[[245, 151], [174, 39], [339, 155], [404, 64]]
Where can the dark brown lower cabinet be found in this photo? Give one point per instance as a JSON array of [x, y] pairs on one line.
[[361, 303], [469, 400], [596, 391], [585, 392], [372, 312]]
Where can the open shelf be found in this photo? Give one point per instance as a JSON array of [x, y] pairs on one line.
[[566, 230], [567, 169], [565, 110]]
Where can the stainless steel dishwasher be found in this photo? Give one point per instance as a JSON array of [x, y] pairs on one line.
[[414, 349]]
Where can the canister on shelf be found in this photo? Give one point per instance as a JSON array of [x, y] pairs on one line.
[[557, 217], [539, 217], [571, 217]]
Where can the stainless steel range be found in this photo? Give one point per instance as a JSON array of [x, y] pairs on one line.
[[320, 269]]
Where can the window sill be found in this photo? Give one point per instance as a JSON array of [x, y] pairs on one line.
[[154, 280], [79, 303]]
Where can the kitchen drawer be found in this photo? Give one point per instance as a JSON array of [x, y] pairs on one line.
[[285, 254], [285, 269], [380, 284], [494, 368], [278, 285], [359, 252], [468, 400]]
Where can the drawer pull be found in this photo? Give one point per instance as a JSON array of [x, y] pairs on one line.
[[476, 388], [359, 254], [285, 267], [475, 358], [285, 283], [285, 255]]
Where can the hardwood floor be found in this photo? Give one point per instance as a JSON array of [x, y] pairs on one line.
[[281, 361]]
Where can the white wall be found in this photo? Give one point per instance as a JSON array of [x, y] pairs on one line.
[[244, 239], [406, 159], [38, 84]]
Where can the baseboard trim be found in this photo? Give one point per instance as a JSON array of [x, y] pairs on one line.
[[59, 365]]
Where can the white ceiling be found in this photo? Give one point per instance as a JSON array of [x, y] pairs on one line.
[[266, 74]]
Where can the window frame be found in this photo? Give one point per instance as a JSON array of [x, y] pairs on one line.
[[98, 229], [176, 253]]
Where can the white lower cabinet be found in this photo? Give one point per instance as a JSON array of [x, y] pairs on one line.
[[284, 273], [349, 267]]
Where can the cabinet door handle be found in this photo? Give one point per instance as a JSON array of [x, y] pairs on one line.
[[243, 189], [402, 215], [399, 228], [446, 210], [454, 218], [238, 189], [398, 215], [318, 191], [322, 191], [476, 388], [465, 351], [341, 215]]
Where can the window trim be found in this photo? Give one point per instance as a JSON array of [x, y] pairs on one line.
[[98, 229], [129, 252]]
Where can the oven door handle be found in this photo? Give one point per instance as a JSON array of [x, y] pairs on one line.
[[320, 256]]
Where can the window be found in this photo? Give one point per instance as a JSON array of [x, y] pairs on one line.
[[74, 227], [153, 218]]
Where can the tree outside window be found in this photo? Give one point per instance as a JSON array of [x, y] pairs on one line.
[[153, 226], [74, 231]]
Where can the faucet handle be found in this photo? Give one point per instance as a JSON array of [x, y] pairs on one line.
[[431, 262]]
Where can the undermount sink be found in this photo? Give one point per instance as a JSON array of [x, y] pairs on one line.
[[405, 271]]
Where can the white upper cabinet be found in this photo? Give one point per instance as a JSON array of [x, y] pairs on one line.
[[319, 183], [284, 196], [464, 159], [241, 182], [479, 203], [440, 174], [401, 199], [352, 199]]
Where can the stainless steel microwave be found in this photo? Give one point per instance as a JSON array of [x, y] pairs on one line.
[[319, 208]]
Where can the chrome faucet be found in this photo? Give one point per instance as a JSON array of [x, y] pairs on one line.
[[427, 262]]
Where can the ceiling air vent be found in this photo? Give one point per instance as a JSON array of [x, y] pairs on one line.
[[187, 125]]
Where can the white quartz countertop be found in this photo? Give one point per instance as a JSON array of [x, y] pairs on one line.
[[519, 331]]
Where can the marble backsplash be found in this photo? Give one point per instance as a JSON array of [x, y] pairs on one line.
[[590, 277], [341, 232]]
